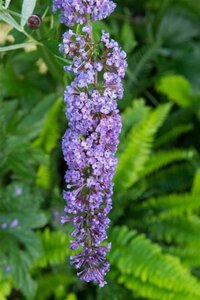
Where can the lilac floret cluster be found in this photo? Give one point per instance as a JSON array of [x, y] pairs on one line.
[[77, 11], [90, 143]]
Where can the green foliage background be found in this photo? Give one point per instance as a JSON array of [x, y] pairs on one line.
[[155, 228]]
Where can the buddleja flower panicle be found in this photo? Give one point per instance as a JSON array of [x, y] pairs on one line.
[[90, 143]]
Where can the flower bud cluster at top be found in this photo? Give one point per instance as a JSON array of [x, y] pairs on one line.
[[90, 142]]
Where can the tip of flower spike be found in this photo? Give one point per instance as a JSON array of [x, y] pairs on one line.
[[92, 275]]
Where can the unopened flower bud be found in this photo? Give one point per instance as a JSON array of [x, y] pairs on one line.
[[34, 22]]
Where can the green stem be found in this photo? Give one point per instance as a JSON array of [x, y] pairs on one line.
[[31, 38]]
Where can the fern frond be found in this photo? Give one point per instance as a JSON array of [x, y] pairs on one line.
[[190, 5], [52, 284], [180, 230], [177, 177], [171, 28], [49, 135], [123, 200], [55, 247], [141, 62], [145, 270], [161, 159], [113, 291], [182, 233], [173, 204], [178, 122], [139, 147], [173, 134], [47, 140], [189, 254], [133, 115]]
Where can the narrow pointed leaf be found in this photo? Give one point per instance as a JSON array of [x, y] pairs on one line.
[[6, 17], [14, 47], [7, 3], [27, 10]]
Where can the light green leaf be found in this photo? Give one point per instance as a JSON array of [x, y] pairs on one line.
[[176, 88], [7, 3], [14, 47], [27, 10], [6, 17]]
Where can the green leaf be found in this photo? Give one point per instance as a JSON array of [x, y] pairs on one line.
[[177, 89], [14, 47], [21, 276], [27, 10], [35, 220], [30, 240]]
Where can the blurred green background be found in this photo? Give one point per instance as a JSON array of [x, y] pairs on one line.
[[155, 227]]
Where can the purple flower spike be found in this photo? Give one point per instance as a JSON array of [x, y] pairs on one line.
[[90, 143]]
